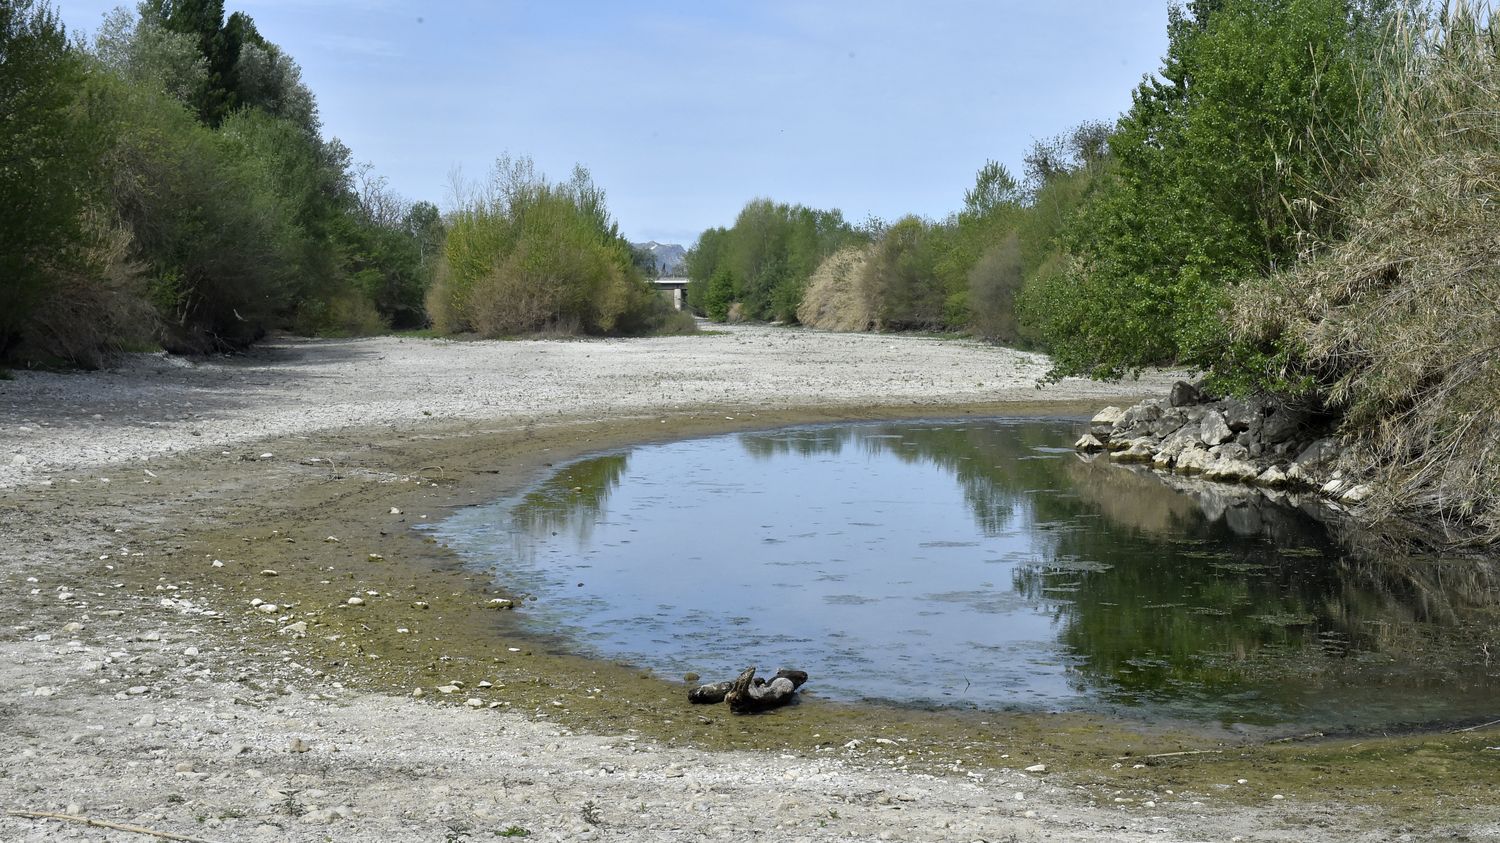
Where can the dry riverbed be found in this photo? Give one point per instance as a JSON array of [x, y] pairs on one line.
[[218, 609]]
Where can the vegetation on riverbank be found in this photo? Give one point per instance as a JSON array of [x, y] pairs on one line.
[[1299, 203], [168, 184]]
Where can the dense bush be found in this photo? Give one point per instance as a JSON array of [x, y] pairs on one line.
[[1237, 145], [525, 255], [45, 162], [1396, 322], [764, 260], [170, 186]]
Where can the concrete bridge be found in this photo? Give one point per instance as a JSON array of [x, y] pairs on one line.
[[675, 287]]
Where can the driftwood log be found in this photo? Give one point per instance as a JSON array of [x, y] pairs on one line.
[[749, 693]]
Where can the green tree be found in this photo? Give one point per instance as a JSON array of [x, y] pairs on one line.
[[1225, 155], [46, 163]]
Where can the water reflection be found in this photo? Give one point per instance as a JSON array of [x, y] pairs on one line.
[[1003, 568]]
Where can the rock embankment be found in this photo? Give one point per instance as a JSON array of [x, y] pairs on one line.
[[1234, 440]]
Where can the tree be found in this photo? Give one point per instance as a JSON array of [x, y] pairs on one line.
[[45, 158], [1225, 155]]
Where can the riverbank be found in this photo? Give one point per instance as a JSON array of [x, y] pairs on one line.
[[142, 686]]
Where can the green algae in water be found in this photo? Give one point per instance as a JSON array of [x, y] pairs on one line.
[[980, 565]]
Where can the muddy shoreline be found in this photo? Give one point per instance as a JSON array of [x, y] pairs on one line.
[[135, 558]]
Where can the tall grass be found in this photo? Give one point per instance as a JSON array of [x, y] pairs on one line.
[[1398, 323]]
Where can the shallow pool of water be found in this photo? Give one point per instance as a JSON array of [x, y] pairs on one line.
[[984, 564]]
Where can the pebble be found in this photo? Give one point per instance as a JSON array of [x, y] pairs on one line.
[[447, 689], [74, 626], [356, 601], [297, 745], [268, 572], [1037, 768], [268, 608], [136, 690], [474, 702], [191, 652]]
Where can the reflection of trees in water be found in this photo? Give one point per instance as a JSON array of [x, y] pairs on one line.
[[1162, 588], [1214, 590], [986, 460], [572, 499]]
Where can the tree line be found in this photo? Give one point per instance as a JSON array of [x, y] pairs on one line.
[[168, 185], [1300, 201]]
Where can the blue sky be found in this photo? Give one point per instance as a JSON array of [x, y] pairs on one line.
[[684, 111]]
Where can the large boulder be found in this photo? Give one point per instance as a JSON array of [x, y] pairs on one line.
[[1139, 450], [1170, 422], [1185, 394], [1213, 430], [1194, 460], [1231, 470], [1281, 425], [1243, 413]]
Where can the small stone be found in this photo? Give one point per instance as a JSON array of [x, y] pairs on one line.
[[191, 652], [1088, 443], [184, 767], [1277, 796], [1037, 768], [474, 702], [267, 456], [136, 690], [355, 601], [332, 539], [270, 573], [256, 601], [395, 511], [74, 626], [295, 630], [297, 745], [146, 721], [485, 683], [418, 693], [447, 689], [268, 608], [690, 677]]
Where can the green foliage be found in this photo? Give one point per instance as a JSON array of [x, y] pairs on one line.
[[1394, 321], [524, 254], [1224, 157], [45, 160], [764, 260]]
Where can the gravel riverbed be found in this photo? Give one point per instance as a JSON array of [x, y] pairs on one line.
[[140, 706]]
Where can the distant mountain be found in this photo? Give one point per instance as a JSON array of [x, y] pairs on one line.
[[668, 256]]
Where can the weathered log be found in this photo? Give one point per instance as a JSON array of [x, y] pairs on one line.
[[756, 695]]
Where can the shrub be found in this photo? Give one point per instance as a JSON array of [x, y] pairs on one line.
[[525, 255], [1237, 145], [837, 298], [1397, 323]]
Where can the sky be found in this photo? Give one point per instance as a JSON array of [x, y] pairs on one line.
[[685, 111]]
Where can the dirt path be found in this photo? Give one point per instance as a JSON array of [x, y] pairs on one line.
[[143, 508]]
